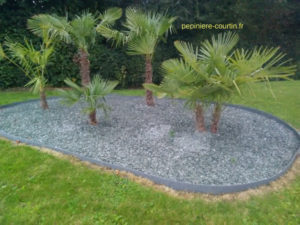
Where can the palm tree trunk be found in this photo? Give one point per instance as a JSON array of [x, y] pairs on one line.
[[93, 119], [148, 79], [200, 125], [216, 118], [84, 63], [43, 99]]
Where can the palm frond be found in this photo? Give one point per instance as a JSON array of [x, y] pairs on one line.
[[73, 85], [70, 97], [21, 54], [37, 84], [191, 57], [166, 26], [219, 47], [142, 45], [100, 88], [110, 16], [168, 87], [158, 89], [179, 70], [116, 36], [187, 51], [50, 26], [83, 30], [137, 21], [261, 62]]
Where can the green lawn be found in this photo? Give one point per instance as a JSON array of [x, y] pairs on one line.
[[37, 188], [286, 105]]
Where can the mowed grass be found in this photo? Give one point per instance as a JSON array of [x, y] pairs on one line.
[[37, 188], [286, 105], [8, 97]]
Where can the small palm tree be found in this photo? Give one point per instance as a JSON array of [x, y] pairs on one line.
[[32, 62], [90, 94], [143, 33], [80, 31], [214, 72]]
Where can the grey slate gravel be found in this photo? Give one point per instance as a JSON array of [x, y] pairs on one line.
[[161, 141]]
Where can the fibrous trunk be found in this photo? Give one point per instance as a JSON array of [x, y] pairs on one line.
[[43, 99], [216, 118], [93, 119], [200, 125], [84, 67], [148, 79]]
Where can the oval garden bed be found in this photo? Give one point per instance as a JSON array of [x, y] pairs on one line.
[[160, 143]]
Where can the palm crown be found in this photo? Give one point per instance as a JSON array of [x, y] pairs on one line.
[[143, 31], [81, 31]]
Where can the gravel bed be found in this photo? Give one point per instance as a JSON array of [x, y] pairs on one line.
[[161, 141]]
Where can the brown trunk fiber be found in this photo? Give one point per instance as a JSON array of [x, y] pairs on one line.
[[43, 99], [148, 79], [84, 63], [93, 119], [200, 125], [216, 118]]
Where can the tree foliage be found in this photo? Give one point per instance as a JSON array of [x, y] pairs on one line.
[[266, 22]]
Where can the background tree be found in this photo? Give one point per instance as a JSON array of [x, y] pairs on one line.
[[143, 33], [215, 72], [90, 94], [81, 31]]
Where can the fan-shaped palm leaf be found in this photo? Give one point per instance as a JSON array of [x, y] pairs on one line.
[[143, 45], [52, 26], [83, 30], [110, 16]]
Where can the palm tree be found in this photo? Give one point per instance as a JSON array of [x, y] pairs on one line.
[[81, 31], [214, 73], [90, 94], [143, 33], [232, 70], [185, 78], [32, 62]]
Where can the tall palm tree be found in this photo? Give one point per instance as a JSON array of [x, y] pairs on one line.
[[215, 72], [142, 33], [81, 31], [32, 62]]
